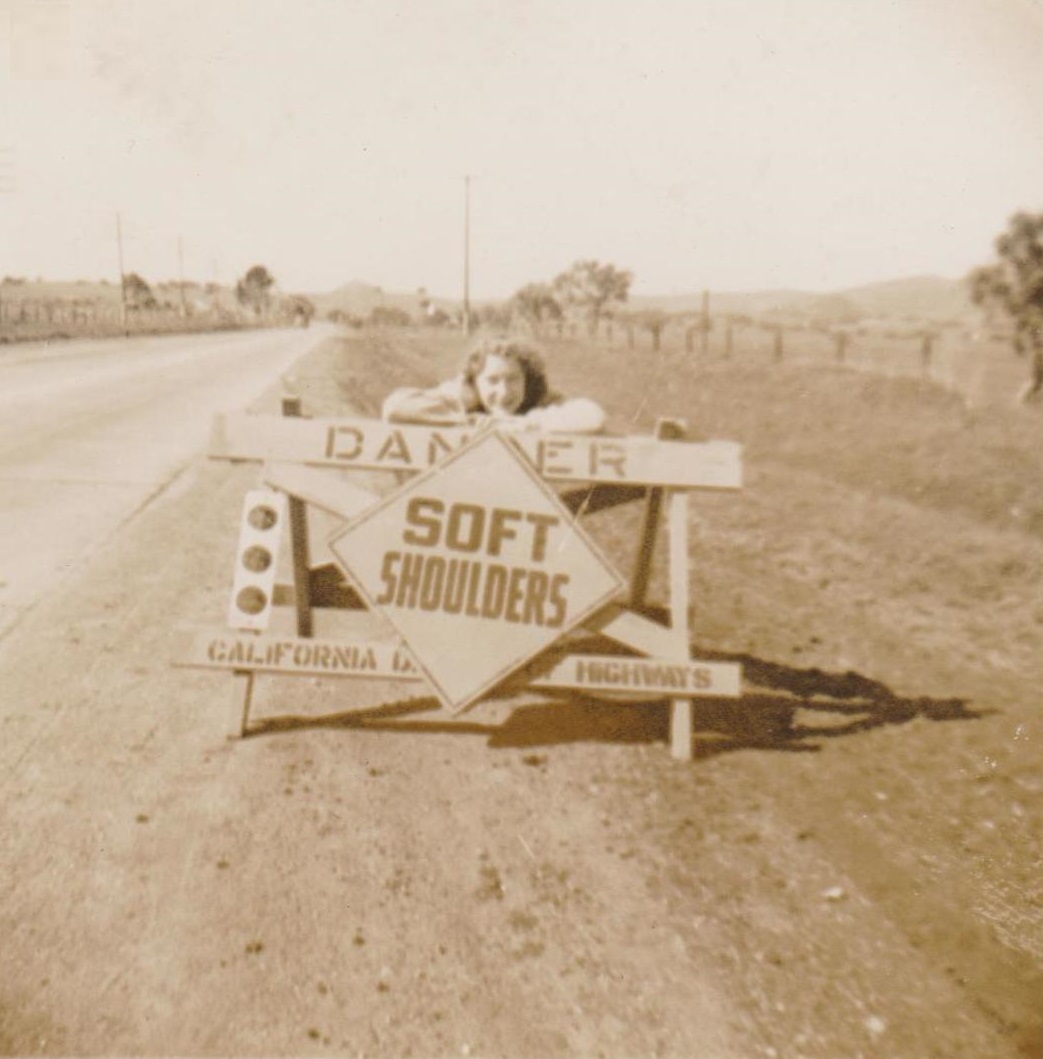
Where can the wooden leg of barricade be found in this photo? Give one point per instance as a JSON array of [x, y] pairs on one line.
[[298, 513], [680, 709], [646, 547], [239, 706], [665, 430], [301, 566]]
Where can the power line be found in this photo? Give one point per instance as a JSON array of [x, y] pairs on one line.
[[467, 255], [123, 276]]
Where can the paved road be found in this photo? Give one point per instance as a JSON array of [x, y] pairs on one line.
[[848, 868], [91, 431]]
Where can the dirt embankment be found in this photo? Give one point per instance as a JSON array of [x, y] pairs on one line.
[[848, 868]]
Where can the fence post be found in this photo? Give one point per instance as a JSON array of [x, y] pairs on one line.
[[728, 339], [926, 351], [778, 344], [841, 340]]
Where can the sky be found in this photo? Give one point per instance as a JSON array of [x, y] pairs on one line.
[[719, 144]]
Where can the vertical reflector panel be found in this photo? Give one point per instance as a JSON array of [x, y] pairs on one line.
[[264, 512]]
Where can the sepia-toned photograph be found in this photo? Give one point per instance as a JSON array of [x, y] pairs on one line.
[[521, 529]]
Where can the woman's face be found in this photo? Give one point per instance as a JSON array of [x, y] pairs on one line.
[[501, 385]]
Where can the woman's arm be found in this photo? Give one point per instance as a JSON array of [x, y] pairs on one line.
[[438, 406], [443, 405], [576, 415]]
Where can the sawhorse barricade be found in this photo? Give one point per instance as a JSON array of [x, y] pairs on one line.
[[480, 566]]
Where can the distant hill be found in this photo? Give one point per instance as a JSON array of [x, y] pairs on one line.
[[915, 298], [930, 297]]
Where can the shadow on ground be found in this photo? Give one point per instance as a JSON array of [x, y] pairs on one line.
[[784, 708]]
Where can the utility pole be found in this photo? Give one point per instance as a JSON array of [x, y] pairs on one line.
[[467, 255], [705, 344], [123, 278], [6, 188], [215, 290], [181, 275]]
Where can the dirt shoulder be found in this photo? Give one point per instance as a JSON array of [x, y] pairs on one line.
[[845, 869]]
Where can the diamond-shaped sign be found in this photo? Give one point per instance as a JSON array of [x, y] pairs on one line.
[[478, 565]]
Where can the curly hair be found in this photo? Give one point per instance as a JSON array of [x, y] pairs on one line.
[[526, 356]]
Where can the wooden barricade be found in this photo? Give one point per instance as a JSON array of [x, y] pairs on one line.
[[478, 560]]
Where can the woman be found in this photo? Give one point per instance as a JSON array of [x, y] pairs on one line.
[[503, 378]]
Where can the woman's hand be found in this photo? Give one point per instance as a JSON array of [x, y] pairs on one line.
[[516, 424], [513, 423], [578, 415]]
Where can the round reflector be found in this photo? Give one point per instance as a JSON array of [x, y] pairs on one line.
[[262, 517], [257, 559], [251, 600]]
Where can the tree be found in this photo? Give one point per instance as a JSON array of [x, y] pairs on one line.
[[137, 293], [535, 303], [298, 309], [494, 316], [1013, 285], [592, 287], [254, 290]]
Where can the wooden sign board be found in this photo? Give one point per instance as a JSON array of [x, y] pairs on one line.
[[242, 652], [372, 445], [383, 660], [478, 566], [642, 676]]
